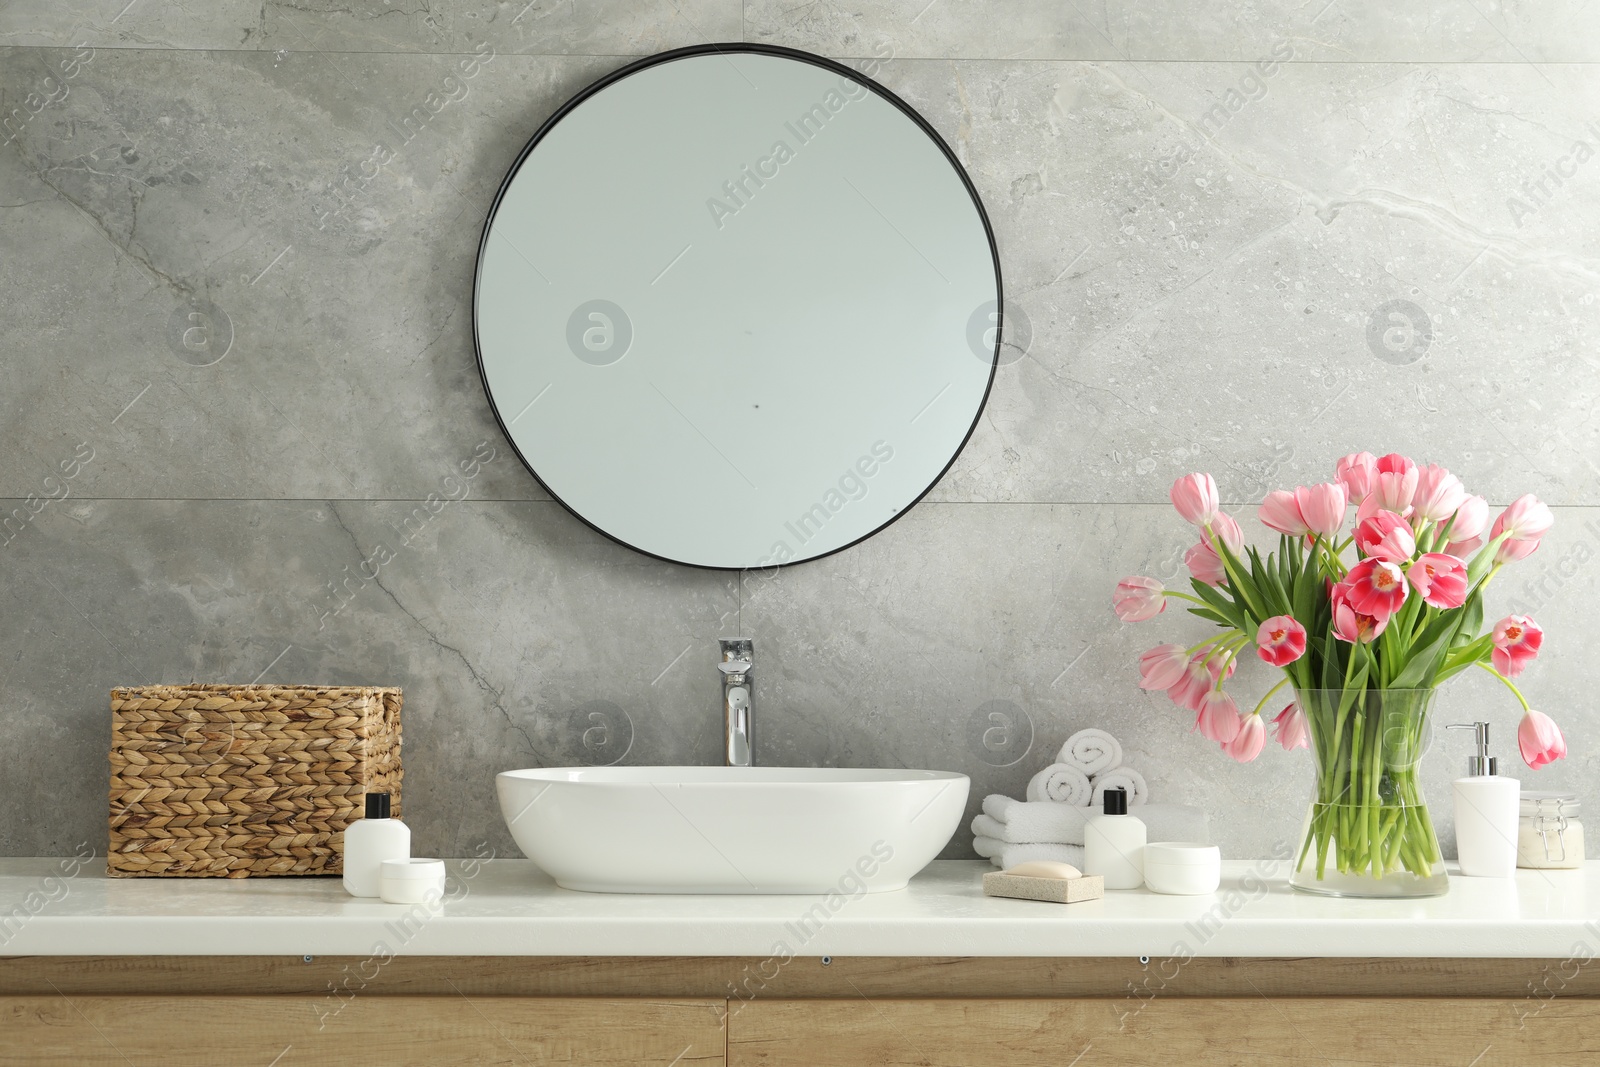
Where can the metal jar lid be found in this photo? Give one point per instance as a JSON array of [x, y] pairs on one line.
[[1550, 803]]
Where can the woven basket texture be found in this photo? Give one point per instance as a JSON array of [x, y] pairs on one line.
[[235, 781]]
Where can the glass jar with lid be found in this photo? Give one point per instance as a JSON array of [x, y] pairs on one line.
[[1549, 835]]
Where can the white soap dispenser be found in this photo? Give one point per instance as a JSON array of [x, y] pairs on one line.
[[1113, 844], [1486, 813], [370, 841]]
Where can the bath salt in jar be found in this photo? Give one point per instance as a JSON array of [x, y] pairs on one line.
[[1549, 835]]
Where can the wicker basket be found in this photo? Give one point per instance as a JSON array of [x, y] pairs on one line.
[[214, 781]]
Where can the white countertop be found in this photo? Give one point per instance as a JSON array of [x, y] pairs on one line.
[[510, 908]]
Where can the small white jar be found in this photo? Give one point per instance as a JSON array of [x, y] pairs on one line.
[[1181, 868], [411, 881]]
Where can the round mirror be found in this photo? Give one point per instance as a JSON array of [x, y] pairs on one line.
[[737, 306]]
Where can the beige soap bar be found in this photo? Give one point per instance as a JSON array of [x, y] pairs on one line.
[[1057, 890]]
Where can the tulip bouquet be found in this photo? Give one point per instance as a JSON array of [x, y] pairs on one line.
[[1365, 625]]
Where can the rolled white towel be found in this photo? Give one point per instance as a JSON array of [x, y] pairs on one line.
[[1015, 822], [1061, 783], [1004, 854], [1091, 751], [1120, 778]]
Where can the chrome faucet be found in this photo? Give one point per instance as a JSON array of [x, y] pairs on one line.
[[738, 656]]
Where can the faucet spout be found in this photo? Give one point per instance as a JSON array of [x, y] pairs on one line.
[[738, 657]]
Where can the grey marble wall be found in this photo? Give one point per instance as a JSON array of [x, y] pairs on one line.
[[235, 303]]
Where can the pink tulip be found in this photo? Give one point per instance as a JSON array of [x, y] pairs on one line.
[[1350, 625], [1196, 682], [1205, 564], [1516, 644], [1540, 739], [1526, 519], [1199, 678], [1392, 490], [1224, 529], [1373, 505], [1139, 598], [1218, 717], [1439, 579], [1162, 667], [1470, 519], [1195, 497], [1395, 463], [1511, 550], [1463, 549], [1523, 523], [1386, 536], [1290, 728], [1281, 512], [1375, 587], [1280, 640], [1321, 507], [1358, 473], [1248, 742], [1439, 493]]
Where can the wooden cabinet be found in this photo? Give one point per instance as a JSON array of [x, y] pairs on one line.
[[862, 1012], [1191, 1032], [291, 1031]]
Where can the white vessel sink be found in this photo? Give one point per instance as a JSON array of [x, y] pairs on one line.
[[731, 829]]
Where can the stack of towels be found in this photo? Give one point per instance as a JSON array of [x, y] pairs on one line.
[[1062, 798]]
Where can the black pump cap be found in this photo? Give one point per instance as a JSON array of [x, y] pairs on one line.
[[1116, 801], [377, 805]]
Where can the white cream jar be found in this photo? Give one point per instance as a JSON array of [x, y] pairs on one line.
[[1181, 868], [411, 881]]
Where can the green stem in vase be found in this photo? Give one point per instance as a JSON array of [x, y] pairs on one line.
[[1368, 818]]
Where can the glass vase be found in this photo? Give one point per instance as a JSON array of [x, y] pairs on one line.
[[1368, 832]]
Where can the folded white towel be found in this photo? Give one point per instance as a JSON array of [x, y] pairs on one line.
[[1015, 822], [1004, 854], [1120, 778], [1091, 751], [1040, 822], [1061, 783]]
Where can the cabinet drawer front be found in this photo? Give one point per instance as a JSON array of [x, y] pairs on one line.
[[1164, 1032], [291, 1031]]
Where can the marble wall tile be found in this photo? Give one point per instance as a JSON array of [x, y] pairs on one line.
[[1258, 292], [528, 27], [1330, 30]]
